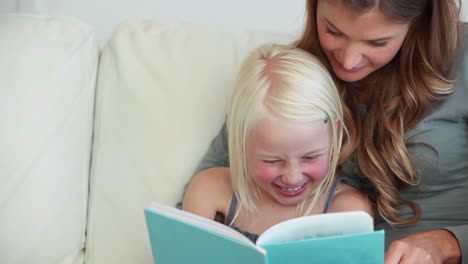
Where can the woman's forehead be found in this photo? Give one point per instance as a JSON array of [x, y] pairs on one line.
[[370, 24], [397, 11]]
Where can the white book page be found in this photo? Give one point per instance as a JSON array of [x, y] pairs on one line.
[[199, 221], [321, 225]]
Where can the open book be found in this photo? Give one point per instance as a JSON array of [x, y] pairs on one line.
[[181, 237]]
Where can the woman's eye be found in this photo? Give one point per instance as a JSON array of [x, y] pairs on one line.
[[333, 33], [308, 158], [270, 161], [379, 43]]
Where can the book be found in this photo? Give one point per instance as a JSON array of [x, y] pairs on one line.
[[181, 237]]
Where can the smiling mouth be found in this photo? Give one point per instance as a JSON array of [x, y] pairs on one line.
[[354, 69], [291, 191]]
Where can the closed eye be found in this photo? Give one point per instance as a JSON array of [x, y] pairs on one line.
[[378, 43], [310, 158], [271, 161], [374, 43], [334, 33]]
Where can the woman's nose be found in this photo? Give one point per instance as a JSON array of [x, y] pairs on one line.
[[350, 56]]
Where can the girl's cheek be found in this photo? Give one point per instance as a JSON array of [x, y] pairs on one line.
[[317, 171], [265, 173]]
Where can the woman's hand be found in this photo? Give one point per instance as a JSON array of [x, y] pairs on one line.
[[431, 247]]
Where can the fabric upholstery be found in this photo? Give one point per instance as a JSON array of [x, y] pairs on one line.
[[162, 95], [47, 78]]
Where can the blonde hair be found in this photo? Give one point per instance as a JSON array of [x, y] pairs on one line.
[[416, 77], [289, 83]]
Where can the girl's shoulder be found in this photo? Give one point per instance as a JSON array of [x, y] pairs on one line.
[[209, 192], [348, 198], [213, 179]]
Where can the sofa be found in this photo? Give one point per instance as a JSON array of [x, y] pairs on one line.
[[92, 134]]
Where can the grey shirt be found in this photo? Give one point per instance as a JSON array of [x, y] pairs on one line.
[[442, 163]]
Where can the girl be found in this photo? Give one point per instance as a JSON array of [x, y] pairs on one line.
[[400, 68], [285, 122]]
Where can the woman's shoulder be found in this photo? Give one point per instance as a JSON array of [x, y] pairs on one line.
[[460, 63], [454, 107], [463, 33]]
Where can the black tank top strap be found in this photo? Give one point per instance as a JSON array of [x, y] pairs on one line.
[[232, 209], [331, 195]]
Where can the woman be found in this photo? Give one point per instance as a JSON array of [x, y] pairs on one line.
[[399, 66]]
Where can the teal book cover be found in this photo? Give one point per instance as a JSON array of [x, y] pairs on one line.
[[364, 248], [180, 237], [174, 241]]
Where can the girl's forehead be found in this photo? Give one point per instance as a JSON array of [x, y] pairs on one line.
[[282, 133], [269, 119]]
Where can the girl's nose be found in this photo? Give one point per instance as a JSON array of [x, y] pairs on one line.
[[292, 175]]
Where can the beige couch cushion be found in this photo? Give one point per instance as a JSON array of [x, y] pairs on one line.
[[47, 76], [162, 94]]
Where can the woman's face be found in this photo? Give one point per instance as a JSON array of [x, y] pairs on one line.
[[357, 44]]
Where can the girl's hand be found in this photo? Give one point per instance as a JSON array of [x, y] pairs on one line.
[[431, 247]]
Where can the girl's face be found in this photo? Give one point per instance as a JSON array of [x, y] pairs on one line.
[[288, 159], [357, 44]]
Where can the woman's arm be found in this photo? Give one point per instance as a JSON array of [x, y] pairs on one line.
[[446, 245], [217, 154], [432, 247], [461, 234]]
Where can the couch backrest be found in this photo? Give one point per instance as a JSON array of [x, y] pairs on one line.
[[162, 95], [47, 78]]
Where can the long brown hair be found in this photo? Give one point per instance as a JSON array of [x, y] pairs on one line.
[[417, 76]]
